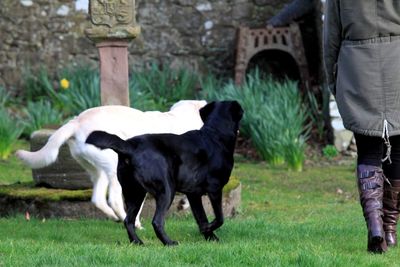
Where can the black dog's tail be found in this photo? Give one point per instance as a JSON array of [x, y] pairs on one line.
[[105, 140]]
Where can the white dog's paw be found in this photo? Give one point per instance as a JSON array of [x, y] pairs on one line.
[[138, 225], [183, 203]]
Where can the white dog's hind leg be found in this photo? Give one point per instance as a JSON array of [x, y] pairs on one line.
[[99, 196], [97, 176], [115, 198], [137, 219]]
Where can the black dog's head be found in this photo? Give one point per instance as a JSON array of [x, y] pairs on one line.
[[222, 112]]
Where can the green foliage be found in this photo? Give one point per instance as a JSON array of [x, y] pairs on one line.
[[38, 114], [315, 112], [83, 92], [12, 170], [211, 87], [274, 117], [160, 87], [142, 100], [330, 151], [10, 130], [49, 100], [4, 97], [38, 85], [155, 88]]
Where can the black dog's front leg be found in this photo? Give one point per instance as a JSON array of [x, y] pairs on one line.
[[200, 216], [216, 202]]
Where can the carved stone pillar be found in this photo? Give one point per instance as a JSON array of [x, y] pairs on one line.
[[113, 25]]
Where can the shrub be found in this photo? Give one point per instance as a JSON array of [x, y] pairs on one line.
[[160, 87], [83, 89], [9, 133], [82, 92], [142, 100], [77, 88], [38, 114], [330, 151], [315, 113], [4, 97], [37, 85], [274, 118]]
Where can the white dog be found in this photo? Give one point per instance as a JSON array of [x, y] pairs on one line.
[[102, 164]]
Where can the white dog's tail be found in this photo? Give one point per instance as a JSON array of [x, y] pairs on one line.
[[48, 154]]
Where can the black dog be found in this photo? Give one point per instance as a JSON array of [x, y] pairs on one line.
[[195, 163]]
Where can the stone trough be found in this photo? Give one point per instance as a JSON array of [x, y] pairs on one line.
[[65, 173]]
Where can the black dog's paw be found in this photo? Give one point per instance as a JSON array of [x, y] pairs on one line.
[[211, 237], [171, 243]]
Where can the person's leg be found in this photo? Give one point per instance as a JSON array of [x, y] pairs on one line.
[[391, 194], [370, 181], [369, 150]]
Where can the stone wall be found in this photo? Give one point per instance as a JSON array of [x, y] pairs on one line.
[[197, 34], [40, 33]]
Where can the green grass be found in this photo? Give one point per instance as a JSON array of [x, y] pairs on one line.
[[286, 219], [12, 171]]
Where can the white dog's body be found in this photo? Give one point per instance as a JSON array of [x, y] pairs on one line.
[[102, 164]]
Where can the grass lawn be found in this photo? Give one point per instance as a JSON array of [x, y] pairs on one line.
[[310, 218]]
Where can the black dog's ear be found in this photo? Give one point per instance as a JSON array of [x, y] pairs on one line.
[[206, 110], [237, 110]]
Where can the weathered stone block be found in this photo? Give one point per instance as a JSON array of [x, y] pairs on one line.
[[65, 173]]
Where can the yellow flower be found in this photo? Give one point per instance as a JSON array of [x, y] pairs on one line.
[[64, 83]]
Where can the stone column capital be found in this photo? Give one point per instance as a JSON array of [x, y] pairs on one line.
[[112, 20]]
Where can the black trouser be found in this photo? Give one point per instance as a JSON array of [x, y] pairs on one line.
[[371, 150]]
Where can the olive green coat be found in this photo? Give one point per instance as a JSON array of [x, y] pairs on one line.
[[362, 63]]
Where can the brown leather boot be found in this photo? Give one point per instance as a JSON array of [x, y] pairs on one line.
[[391, 197], [370, 186]]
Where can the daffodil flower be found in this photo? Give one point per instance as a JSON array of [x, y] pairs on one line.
[[64, 83]]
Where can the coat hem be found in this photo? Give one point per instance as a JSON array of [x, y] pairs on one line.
[[376, 133]]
